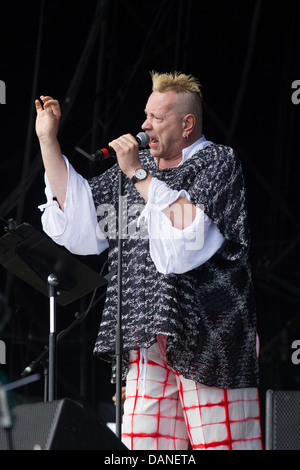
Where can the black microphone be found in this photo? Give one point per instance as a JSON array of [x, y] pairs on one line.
[[142, 138]]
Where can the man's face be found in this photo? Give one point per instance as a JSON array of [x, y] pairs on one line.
[[164, 126]]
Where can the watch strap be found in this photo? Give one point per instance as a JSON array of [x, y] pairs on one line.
[[134, 179]]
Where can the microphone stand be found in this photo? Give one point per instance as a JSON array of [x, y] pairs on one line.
[[52, 286], [143, 140], [119, 338]]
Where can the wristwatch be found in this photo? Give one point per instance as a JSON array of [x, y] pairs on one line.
[[140, 174]]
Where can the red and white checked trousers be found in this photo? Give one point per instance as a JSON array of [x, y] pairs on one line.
[[164, 411]]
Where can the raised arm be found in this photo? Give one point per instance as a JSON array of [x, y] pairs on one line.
[[47, 123]]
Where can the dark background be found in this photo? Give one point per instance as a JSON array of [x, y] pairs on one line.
[[95, 57]]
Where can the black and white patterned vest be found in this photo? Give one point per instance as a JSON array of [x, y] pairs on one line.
[[208, 313]]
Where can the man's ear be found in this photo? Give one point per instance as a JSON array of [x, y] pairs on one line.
[[189, 122]]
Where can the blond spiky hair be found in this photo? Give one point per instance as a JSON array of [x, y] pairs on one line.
[[175, 81]]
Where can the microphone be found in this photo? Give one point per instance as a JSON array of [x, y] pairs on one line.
[[142, 138]]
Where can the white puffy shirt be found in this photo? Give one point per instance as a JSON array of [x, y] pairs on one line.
[[172, 250]]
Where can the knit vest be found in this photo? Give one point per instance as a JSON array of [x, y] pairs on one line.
[[207, 314]]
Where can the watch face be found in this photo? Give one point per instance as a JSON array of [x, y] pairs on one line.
[[140, 173]]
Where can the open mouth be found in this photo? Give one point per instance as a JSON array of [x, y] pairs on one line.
[[153, 142]]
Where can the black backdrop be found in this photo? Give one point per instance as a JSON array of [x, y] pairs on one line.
[[95, 57]]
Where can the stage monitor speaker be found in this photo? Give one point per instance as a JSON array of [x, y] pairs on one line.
[[282, 420], [58, 425]]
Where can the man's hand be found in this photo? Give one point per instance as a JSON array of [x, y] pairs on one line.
[[47, 119], [47, 122], [127, 151]]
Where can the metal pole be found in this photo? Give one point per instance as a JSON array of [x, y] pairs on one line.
[[119, 339], [52, 283]]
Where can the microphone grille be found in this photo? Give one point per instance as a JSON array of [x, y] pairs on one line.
[[143, 139]]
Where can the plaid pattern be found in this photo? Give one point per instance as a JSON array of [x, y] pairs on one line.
[[165, 411]]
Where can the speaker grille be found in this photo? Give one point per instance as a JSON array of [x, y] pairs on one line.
[[58, 425], [283, 420]]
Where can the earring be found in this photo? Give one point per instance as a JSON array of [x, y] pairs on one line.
[[186, 137]]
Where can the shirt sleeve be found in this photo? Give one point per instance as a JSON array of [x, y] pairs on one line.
[[173, 250], [76, 227]]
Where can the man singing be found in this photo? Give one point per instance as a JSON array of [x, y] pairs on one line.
[[188, 314]]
